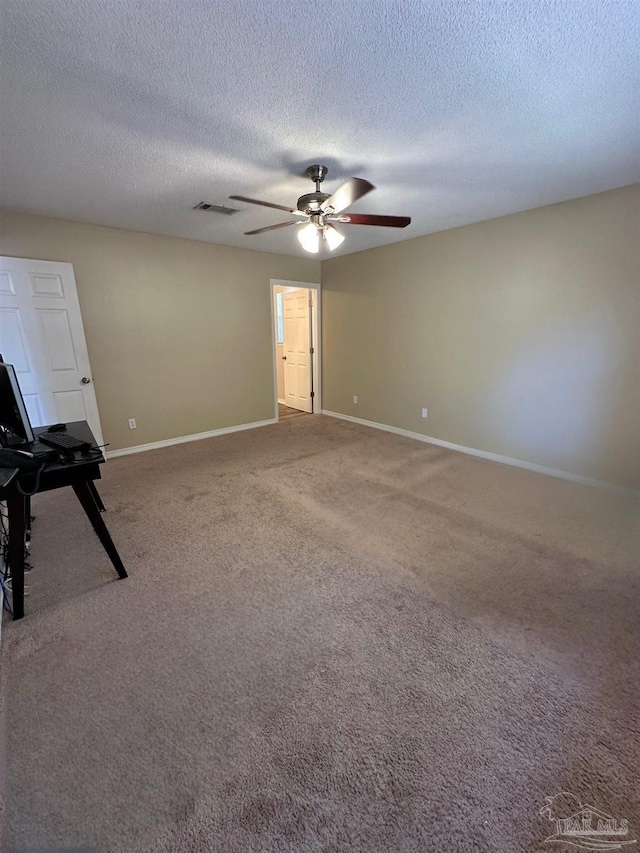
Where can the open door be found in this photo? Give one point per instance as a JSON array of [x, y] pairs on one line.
[[297, 350], [42, 335]]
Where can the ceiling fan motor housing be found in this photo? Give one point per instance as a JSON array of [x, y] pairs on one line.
[[312, 202]]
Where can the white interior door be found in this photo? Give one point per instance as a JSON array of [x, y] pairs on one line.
[[297, 349], [42, 335]]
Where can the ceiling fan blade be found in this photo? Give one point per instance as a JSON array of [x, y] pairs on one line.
[[347, 193], [273, 227], [265, 204], [367, 219]]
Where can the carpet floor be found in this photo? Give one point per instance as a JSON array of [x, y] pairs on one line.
[[331, 639]]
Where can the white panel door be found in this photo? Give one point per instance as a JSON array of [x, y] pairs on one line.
[[297, 349], [42, 335]]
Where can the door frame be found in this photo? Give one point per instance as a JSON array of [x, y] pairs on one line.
[[316, 338]]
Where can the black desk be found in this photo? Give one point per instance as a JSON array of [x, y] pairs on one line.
[[80, 475]]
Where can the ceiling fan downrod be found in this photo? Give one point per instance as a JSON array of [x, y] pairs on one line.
[[317, 174]]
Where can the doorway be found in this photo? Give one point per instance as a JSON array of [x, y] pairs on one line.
[[295, 309]]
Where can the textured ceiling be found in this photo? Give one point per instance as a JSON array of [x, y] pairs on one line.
[[129, 112]]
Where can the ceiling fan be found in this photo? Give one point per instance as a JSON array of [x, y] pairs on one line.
[[317, 211]]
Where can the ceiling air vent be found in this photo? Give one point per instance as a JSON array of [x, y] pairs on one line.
[[216, 208]]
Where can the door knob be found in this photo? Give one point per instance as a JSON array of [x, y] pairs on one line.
[[284, 358], [85, 380]]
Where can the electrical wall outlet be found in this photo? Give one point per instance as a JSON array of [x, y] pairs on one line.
[[424, 413], [132, 423], [355, 398]]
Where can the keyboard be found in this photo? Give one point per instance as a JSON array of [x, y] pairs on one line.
[[62, 441]]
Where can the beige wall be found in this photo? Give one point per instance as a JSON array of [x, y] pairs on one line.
[[520, 335], [178, 331]]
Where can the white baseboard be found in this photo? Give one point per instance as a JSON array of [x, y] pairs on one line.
[[282, 402], [183, 439], [492, 457]]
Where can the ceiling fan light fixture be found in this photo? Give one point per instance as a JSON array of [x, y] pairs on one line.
[[309, 238], [333, 237]]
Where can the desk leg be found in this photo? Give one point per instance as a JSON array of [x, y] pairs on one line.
[[84, 495], [27, 509], [96, 495], [17, 512]]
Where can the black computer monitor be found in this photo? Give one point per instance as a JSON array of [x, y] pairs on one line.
[[13, 413]]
